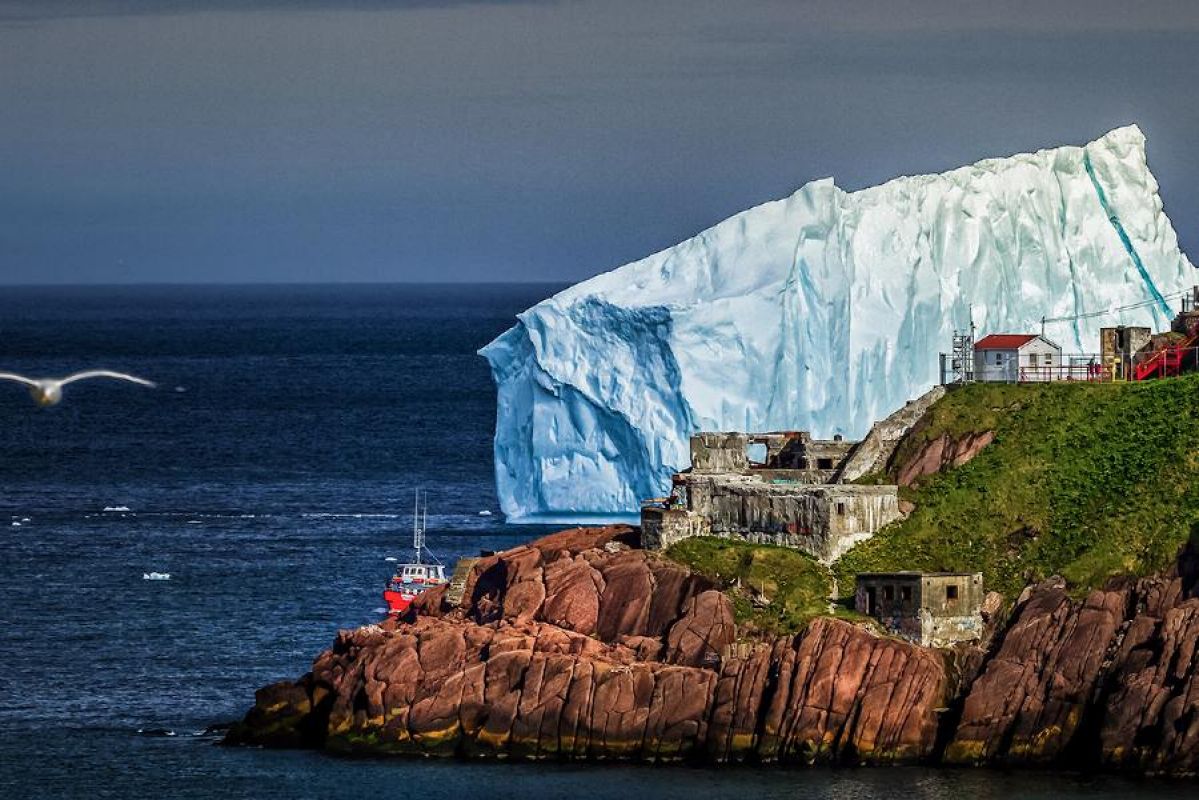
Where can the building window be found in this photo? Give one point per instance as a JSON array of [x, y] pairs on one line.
[[824, 463], [840, 509], [999, 359], [888, 592], [951, 592]]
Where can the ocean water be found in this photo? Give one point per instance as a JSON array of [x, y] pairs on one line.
[[270, 475]]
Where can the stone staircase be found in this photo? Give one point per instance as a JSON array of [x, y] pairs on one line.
[[875, 450]]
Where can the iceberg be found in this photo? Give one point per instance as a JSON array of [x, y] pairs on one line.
[[823, 311]]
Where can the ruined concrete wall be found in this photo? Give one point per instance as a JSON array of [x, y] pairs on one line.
[[784, 449], [785, 477], [661, 528], [827, 454], [895, 594], [907, 626], [796, 450], [823, 521], [719, 452], [857, 516], [935, 595], [789, 520], [938, 631]]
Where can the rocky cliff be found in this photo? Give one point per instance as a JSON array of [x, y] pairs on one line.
[[582, 646], [1111, 678], [579, 645]]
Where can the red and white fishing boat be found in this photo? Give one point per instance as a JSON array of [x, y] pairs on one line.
[[415, 577]]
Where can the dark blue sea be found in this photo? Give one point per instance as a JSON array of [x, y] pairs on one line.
[[270, 475]]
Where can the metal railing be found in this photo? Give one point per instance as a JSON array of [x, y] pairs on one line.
[[1092, 372], [1165, 362]]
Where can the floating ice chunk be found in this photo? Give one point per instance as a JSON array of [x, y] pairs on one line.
[[822, 311], [114, 509], [156, 576]]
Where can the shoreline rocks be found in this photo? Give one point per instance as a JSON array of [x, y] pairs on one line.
[[579, 646], [582, 646]]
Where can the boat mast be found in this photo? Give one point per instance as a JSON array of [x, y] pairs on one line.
[[420, 515]]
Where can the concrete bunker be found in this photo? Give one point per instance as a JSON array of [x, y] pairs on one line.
[[784, 488], [934, 609], [788, 495]]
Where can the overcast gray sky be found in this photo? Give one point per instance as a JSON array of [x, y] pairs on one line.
[[310, 140]]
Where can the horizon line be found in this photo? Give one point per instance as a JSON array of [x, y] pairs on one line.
[[251, 284]]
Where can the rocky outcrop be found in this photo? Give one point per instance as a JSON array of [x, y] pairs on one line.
[[1111, 679], [580, 646], [939, 454], [1028, 704]]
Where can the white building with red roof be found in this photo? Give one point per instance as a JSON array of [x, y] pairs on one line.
[[1012, 357]]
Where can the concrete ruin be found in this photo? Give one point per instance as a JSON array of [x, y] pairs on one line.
[[823, 520], [783, 488], [1119, 348], [934, 609]]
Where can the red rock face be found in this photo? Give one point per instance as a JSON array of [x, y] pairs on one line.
[[941, 453], [833, 693], [1027, 705], [1108, 680], [577, 646]]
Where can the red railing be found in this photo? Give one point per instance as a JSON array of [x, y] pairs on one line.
[[1167, 361]]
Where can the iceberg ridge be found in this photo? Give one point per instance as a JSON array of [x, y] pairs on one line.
[[821, 311]]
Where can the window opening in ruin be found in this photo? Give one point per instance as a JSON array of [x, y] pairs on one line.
[[905, 594], [824, 463], [841, 509], [756, 452], [803, 463], [951, 592], [888, 592]]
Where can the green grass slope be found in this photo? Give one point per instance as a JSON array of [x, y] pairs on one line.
[[1088, 481], [773, 589]]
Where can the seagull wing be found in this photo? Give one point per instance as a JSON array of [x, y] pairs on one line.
[[10, 376], [103, 373]]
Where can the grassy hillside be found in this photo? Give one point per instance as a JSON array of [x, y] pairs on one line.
[[1087, 481], [774, 589]]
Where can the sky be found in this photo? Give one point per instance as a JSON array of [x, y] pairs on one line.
[[313, 140]]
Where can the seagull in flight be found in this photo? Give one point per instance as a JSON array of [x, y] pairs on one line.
[[48, 391]]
